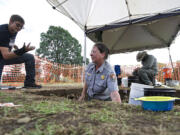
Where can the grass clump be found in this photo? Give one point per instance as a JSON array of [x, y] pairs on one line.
[[50, 107], [104, 115]]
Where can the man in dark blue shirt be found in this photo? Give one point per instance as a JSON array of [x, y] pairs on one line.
[[8, 34]]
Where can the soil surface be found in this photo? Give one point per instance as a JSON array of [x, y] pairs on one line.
[[56, 111]]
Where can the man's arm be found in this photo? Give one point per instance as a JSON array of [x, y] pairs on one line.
[[9, 55], [115, 96]]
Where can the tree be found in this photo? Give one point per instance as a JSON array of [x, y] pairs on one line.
[[57, 45]]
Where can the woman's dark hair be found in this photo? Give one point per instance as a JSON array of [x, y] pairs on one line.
[[103, 49], [17, 18]]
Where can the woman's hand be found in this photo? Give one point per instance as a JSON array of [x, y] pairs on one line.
[[82, 97]]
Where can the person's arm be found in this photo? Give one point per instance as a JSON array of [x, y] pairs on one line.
[[9, 55], [83, 94], [115, 96], [113, 87]]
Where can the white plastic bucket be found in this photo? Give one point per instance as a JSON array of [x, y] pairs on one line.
[[137, 90], [124, 81]]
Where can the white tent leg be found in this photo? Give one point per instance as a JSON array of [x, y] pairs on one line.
[[84, 58]]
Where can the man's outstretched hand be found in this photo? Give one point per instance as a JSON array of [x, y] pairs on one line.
[[28, 47], [24, 49]]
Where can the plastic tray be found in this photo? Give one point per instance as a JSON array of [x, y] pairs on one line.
[[158, 105]]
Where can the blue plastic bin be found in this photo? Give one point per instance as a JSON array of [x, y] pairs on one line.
[[158, 105]]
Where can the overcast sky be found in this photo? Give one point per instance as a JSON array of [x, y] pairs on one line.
[[39, 15]]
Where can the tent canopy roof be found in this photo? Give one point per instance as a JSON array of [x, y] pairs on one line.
[[125, 25]]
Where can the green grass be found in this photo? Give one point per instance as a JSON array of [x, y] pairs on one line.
[[104, 115], [19, 131], [49, 130], [47, 107], [52, 115]]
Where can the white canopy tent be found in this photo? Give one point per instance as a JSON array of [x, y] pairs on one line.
[[124, 25]]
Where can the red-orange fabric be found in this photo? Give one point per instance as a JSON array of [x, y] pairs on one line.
[[167, 73]]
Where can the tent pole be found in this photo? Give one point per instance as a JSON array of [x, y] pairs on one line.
[[171, 63], [84, 57]]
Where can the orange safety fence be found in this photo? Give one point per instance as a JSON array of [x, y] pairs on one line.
[[46, 72], [126, 70], [49, 72]]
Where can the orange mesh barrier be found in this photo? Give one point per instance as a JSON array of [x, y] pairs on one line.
[[48, 72], [167, 73]]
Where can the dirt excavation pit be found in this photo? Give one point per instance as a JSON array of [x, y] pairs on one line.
[[71, 93], [68, 93], [74, 93]]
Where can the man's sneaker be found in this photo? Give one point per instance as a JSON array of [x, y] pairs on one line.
[[32, 86]]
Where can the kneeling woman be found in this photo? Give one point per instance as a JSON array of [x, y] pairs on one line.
[[100, 79]]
